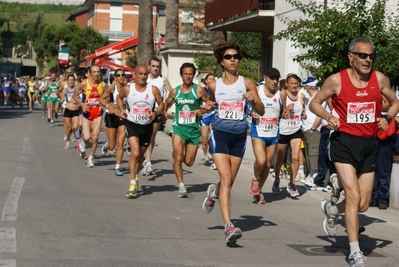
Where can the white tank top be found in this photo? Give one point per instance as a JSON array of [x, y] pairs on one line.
[[158, 83], [267, 125], [294, 122], [310, 116], [139, 105]]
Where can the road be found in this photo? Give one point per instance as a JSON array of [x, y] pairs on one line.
[[58, 212]]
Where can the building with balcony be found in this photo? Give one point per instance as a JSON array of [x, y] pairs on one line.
[[262, 16]]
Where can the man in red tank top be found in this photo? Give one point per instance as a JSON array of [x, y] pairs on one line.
[[356, 95]]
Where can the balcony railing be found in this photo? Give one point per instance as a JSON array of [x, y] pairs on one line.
[[220, 10], [117, 35]]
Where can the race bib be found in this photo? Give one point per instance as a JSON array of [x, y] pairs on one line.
[[268, 124], [293, 121], [140, 114], [53, 95], [361, 112], [187, 117], [231, 110], [93, 101], [69, 97]]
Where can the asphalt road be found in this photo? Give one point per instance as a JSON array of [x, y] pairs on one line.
[[58, 212]]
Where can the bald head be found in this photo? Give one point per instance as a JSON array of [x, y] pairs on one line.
[[141, 74]]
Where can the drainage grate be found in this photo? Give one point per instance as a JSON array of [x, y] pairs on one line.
[[319, 250]]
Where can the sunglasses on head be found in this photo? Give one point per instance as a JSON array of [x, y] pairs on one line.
[[120, 75], [364, 55], [229, 56]]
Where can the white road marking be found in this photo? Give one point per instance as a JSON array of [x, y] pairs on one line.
[[26, 146], [11, 205], [8, 241], [21, 168], [8, 263]]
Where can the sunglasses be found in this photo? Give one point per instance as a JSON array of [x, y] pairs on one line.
[[120, 75], [228, 56], [364, 55]]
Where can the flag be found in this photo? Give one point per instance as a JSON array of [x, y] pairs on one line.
[[159, 40]]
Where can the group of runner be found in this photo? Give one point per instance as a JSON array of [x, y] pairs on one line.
[[215, 117]]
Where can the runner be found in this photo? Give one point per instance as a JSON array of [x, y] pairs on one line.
[[140, 97], [6, 89], [265, 132], [52, 90], [31, 87], [21, 92], [92, 89], [71, 114], [188, 98], [115, 127], [232, 94], [356, 95], [155, 78], [44, 97]]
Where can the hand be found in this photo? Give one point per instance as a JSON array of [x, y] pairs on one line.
[[255, 115], [209, 105], [382, 123], [304, 116], [112, 109], [121, 114], [333, 123], [85, 107], [250, 97]]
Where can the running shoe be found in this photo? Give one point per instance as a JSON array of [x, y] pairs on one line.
[[259, 199], [315, 187], [276, 188], [90, 163], [299, 177], [291, 188], [209, 202], [149, 169], [48, 119], [30, 110], [144, 171], [255, 190], [83, 155], [64, 137], [182, 191], [137, 182], [335, 192], [51, 124], [132, 192], [118, 172], [357, 259], [128, 150], [330, 221], [73, 137], [104, 148], [213, 166], [81, 146], [66, 145], [232, 234], [56, 115]]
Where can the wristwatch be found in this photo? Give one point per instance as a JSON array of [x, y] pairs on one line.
[[387, 117]]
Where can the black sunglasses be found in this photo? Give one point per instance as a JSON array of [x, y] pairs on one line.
[[119, 75], [364, 55], [229, 56]]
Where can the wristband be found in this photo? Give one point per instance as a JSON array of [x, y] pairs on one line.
[[387, 117], [313, 130]]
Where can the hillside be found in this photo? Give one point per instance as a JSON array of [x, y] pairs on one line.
[[19, 13]]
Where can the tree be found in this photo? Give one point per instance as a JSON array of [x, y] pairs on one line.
[[324, 33], [75, 38], [145, 46], [250, 43], [195, 9], [172, 23]]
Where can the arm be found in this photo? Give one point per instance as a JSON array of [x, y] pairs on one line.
[[252, 96], [330, 88], [158, 99], [166, 83], [62, 95], [104, 98], [123, 92], [169, 101], [81, 89], [390, 96]]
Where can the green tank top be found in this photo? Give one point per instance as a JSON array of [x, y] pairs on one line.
[[186, 104], [52, 90]]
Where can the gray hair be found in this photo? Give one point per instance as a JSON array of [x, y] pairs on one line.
[[360, 39]]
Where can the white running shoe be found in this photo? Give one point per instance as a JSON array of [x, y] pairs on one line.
[[66, 145], [299, 177], [82, 146], [90, 163], [330, 221]]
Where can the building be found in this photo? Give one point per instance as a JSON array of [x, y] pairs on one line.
[[42, 2], [118, 20], [262, 16]]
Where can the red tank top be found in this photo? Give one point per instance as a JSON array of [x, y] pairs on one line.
[[358, 108]]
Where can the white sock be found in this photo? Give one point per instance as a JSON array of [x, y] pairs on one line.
[[132, 181], [301, 170], [181, 184], [90, 157], [354, 247], [255, 178], [149, 163], [116, 166]]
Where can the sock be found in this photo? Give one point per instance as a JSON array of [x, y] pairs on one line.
[[227, 225], [132, 181], [181, 184], [90, 157], [213, 195], [255, 178], [116, 166], [354, 247], [301, 170], [336, 185], [333, 209], [149, 163]]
